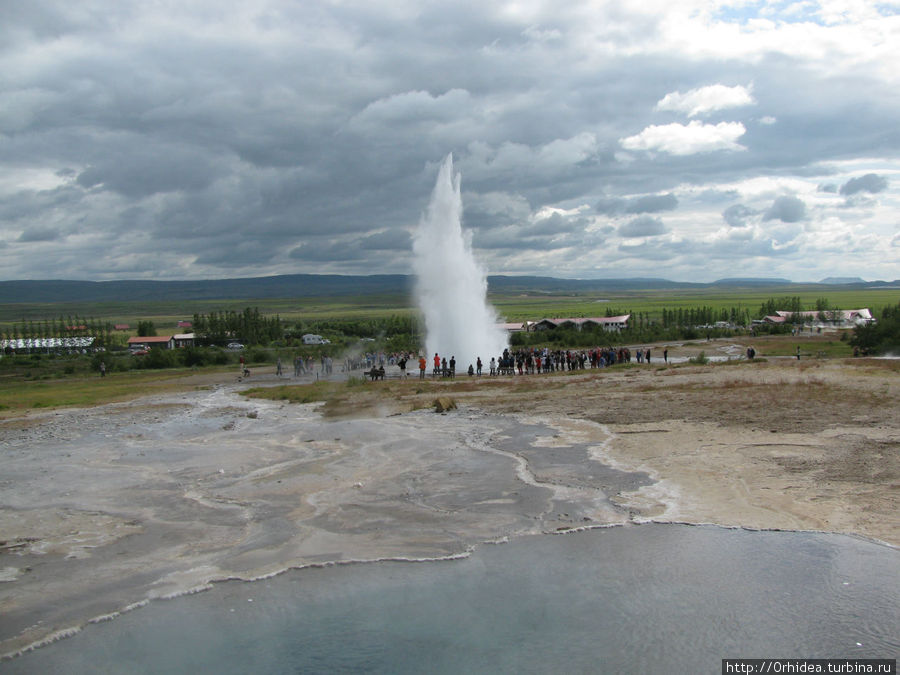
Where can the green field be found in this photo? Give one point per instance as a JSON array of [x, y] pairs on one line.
[[510, 307], [538, 306], [33, 381]]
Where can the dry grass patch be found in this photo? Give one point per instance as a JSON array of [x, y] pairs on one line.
[[16, 398]]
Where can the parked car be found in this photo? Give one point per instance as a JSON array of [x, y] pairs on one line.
[[234, 345]]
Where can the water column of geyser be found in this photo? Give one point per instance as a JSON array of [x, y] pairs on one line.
[[451, 287]]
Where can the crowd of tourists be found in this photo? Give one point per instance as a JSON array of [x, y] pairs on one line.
[[304, 366], [533, 361], [525, 361]]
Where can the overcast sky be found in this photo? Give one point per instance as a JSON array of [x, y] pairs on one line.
[[690, 140]]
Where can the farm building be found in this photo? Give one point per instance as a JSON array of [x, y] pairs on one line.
[[840, 318], [513, 327], [184, 339], [608, 323], [164, 341]]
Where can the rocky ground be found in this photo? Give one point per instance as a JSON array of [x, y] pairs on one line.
[[107, 508]]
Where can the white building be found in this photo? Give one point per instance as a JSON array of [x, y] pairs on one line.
[[840, 318], [47, 344], [607, 323]]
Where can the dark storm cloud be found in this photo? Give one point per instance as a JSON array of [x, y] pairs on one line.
[[652, 204], [643, 226], [647, 250], [549, 234], [215, 138], [610, 206], [787, 209], [39, 234], [142, 171], [327, 252], [556, 224], [871, 182], [390, 240], [738, 215], [700, 253], [636, 205]]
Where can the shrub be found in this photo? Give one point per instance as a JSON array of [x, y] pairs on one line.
[[258, 355], [159, 358]]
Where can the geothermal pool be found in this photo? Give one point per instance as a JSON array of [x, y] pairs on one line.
[[645, 598]]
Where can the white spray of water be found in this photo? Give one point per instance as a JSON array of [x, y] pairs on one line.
[[451, 287]]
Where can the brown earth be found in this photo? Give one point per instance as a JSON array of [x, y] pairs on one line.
[[779, 443]]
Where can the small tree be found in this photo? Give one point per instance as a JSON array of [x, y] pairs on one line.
[[146, 329]]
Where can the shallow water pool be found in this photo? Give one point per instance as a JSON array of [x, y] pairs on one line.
[[648, 599]]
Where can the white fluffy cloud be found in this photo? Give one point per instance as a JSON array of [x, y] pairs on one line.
[[705, 100], [691, 139]]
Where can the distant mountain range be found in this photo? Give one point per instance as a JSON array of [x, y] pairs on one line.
[[842, 280], [332, 285]]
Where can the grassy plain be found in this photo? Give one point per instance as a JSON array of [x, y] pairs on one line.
[[78, 386], [18, 396], [510, 306], [652, 302]]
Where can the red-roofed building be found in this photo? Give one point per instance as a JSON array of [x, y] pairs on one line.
[[163, 341]]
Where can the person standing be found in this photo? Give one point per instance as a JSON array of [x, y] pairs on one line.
[[422, 366]]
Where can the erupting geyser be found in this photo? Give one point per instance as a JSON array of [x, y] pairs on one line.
[[451, 286]]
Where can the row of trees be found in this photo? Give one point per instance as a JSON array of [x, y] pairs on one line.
[[395, 333], [598, 337], [826, 311], [249, 326], [704, 316], [683, 317]]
